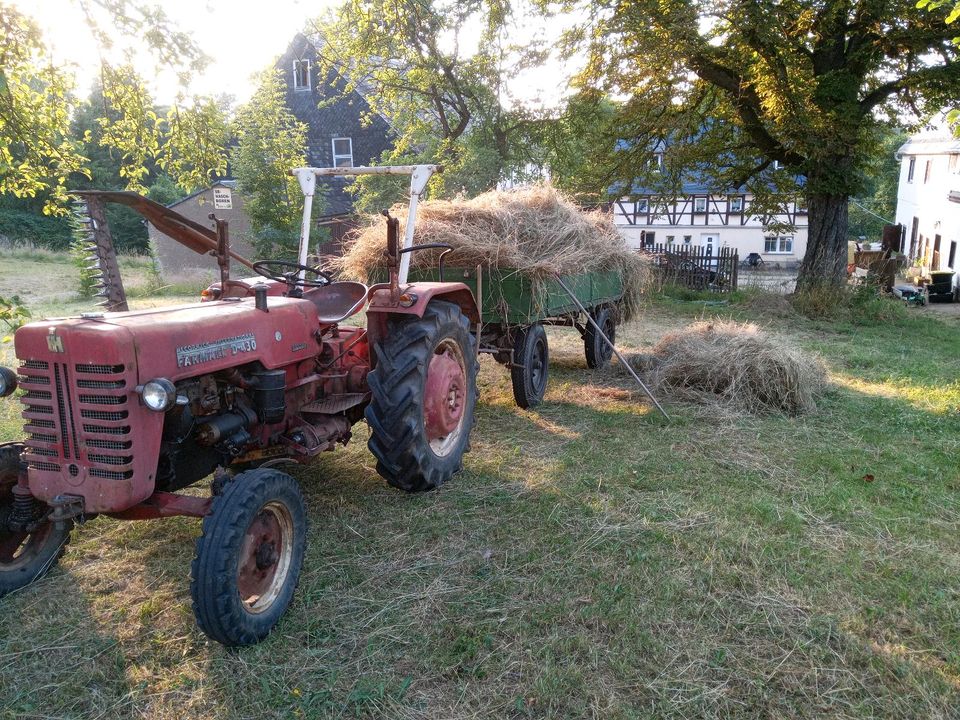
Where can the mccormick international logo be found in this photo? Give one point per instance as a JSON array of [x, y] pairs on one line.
[[54, 341], [188, 355]]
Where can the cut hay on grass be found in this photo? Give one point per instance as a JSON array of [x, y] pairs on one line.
[[535, 230], [735, 366]]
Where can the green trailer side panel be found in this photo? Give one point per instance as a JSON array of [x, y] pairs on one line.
[[509, 298]]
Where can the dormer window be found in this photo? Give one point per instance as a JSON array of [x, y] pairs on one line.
[[301, 74]]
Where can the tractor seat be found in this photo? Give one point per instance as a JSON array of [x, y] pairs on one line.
[[337, 301]]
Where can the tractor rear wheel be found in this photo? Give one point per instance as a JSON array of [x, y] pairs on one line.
[[424, 390], [24, 556], [531, 358], [597, 351], [249, 557]]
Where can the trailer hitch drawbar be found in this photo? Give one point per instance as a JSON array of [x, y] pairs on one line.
[[612, 346]]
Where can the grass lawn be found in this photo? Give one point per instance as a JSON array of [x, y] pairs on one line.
[[592, 560]]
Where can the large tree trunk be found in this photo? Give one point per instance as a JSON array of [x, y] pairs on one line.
[[825, 262]]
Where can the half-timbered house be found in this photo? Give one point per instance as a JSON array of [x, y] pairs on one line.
[[702, 217]]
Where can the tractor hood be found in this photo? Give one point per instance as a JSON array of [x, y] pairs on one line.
[[182, 341]]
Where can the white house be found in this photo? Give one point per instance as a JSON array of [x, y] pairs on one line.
[[928, 199], [712, 220]]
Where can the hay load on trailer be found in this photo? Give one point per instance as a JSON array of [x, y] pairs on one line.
[[510, 248]]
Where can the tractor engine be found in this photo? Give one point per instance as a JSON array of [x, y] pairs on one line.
[[118, 406]]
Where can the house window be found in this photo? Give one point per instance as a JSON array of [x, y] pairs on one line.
[[657, 161], [647, 238], [301, 74], [953, 255], [670, 239], [342, 152], [777, 165], [700, 205], [642, 206], [926, 172], [736, 203], [687, 239], [911, 169], [775, 245]]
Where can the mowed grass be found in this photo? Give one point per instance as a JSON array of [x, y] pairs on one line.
[[592, 560]]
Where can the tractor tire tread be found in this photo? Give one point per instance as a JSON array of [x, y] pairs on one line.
[[395, 411], [10, 454], [212, 589]]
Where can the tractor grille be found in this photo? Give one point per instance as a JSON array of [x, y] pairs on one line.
[[75, 418]]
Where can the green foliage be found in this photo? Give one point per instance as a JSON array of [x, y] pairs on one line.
[[576, 147], [863, 305], [881, 179], [87, 275], [165, 191], [39, 150], [22, 222], [37, 153], [131, 125], [195, 152], [13, 314], [803, 83], [445, 100], [271, 141]]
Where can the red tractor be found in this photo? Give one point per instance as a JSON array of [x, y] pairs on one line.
[[124, 409]]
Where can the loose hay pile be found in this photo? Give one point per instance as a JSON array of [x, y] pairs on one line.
[[735, 366], [535, 230]]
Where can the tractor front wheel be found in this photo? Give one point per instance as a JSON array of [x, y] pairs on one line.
[[424, 390], [25, 556], [249, 557]]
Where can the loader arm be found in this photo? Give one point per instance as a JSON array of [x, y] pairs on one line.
[[190, 234]]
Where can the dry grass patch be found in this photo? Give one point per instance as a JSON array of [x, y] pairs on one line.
[[535, 230], [734, 366]]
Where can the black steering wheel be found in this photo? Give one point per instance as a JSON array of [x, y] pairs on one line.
[[265, 268]]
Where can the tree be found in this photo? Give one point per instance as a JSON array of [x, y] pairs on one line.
[[38, 153], [802, 83], [444, 96], [271, 141], [877, 203]]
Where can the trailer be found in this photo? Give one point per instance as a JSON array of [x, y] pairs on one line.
[[514, 310]]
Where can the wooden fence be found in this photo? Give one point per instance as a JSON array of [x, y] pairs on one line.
[[694, 267]]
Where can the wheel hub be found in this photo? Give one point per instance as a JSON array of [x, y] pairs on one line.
[[264, 558], [443, 395]]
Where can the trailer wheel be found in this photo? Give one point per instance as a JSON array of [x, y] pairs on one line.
[[531, 357], [24, 556], [424, 390], [248, 557], [597, 351]]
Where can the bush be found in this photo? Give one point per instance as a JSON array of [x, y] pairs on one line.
[[26, 227], [861, 305]]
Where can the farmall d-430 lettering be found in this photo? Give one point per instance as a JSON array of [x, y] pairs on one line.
[[123, 409]]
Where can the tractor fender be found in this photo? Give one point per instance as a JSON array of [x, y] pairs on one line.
[[423, 293], [380, 308]]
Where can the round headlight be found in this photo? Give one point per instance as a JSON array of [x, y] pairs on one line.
[[159, 394], [8, 381]]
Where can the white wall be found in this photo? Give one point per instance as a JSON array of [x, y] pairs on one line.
[[721, 220], [924, 205]]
